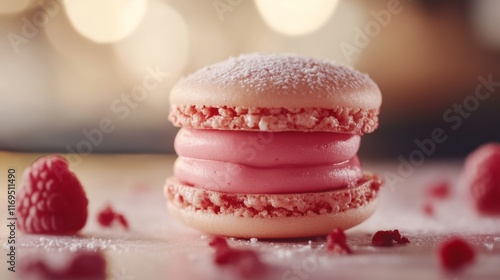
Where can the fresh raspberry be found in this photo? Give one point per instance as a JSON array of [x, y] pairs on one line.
[[336, 242], [246, 262], [482, 174], [51, 199], [386, 238], [108, 215], [454, 253], [84, 265], [439, 190]]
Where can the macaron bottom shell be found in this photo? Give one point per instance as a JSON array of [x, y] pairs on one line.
[[272, 215]]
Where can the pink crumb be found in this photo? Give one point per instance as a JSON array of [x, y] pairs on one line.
[[439, 190], [336, 242], [83, 265], [428, 209], [108, 216], [246, 262]]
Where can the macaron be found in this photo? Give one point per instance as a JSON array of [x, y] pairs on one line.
[[268, 147]]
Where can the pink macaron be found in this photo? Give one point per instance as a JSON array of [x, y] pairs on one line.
[[268, 147]]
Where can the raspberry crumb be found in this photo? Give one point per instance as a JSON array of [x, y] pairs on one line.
[[455, 253], [246, 262], [108, 215], [386, 238], [440, 190], [336, 242], [51, 199], [83, 265], [482, 174], [428, 209]]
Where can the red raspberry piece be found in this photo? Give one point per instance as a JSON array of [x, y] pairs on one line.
[[455, 253], [84, 265], [336, 242], [108, 215], [482, 173], [398, 238], [246, 262], [51, 199], [382, 238], [386, 238], [218, 242], [440, 190], [428, 209]]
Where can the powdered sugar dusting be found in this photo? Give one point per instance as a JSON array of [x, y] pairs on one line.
[[287, 74]]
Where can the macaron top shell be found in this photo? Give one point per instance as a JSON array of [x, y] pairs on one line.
[[277, 81]]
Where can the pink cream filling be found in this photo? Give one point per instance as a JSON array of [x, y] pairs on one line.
[[265, 162], [267, 149], [230, 177]]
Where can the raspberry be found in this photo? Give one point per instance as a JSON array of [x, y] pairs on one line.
[[336, 242], [455, 253], [386, 238], [482, 174], [85, 265], [108, 215], [51, 199], [246, 262]]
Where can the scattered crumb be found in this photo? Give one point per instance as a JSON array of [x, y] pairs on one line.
[[387, 238], [336, 242], [246, 262], [428, 209], [439, 190], [108, 216]]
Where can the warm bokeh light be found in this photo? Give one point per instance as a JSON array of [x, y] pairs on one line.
[[486, 17], [105, 21], [160, 44], [14, 6], [296, 17]]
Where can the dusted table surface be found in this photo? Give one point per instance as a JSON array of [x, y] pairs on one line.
[[158, 247]]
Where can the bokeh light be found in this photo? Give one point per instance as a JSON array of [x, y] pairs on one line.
[[296, 17], [105, 21], [14, 6], [160, 43], [486, 18]]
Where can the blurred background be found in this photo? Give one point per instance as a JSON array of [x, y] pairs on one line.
[[93, 76]]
